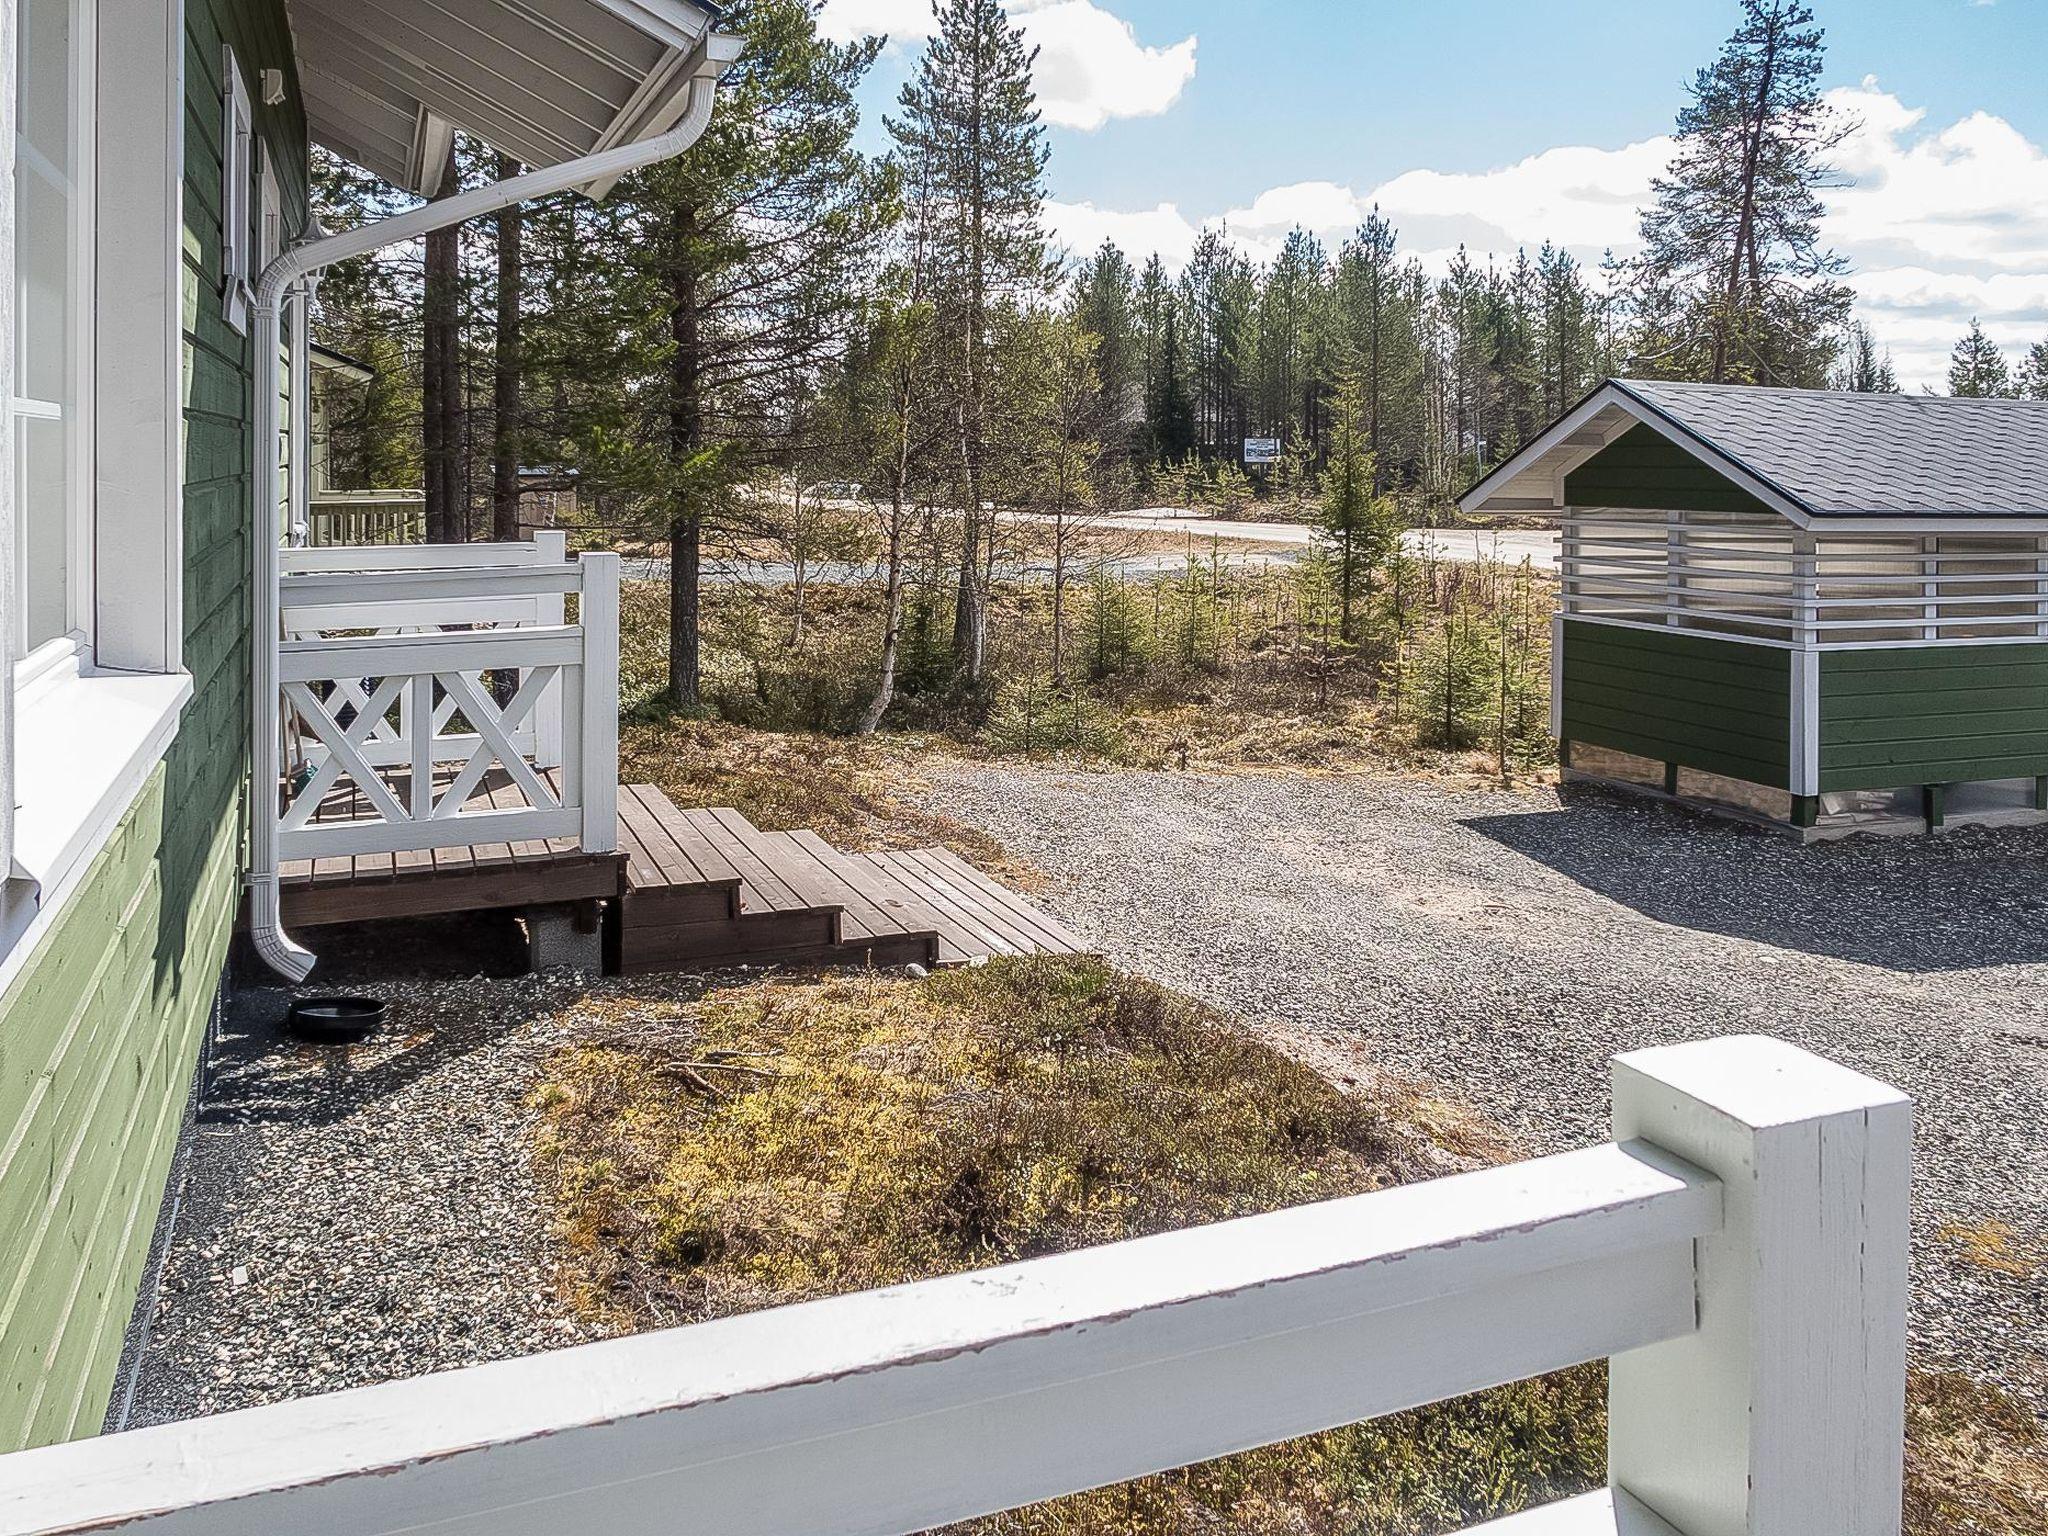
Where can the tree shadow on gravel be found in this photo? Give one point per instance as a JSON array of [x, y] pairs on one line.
[[1968, 898]]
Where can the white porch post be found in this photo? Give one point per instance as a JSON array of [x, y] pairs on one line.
[[600, 723], [1784, 1414]]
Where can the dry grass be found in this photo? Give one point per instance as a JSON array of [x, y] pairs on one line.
[[781, 1141], [778, 1142], [1976, 1460], [1995, 1246]]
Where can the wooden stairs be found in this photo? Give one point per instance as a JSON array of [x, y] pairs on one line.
[[708, 888]]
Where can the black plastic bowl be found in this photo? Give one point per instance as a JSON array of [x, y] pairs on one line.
[[336, 1020]]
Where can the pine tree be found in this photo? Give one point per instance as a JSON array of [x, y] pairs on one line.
[[508, 365], [2032, 380], [750, 252], [1359, 529], [1864, 371], [969, 127], [1977, 368], [1568, 345], [1377, 323], [1105, 306], [1734, 285]]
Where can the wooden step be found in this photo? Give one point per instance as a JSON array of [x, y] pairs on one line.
[[706, 887], [977, 915]]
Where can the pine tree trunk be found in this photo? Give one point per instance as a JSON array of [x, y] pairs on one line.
[[441, 376], [506, 377], [970, 617], [686, 438]]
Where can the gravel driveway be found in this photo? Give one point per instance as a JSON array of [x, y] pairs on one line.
[[1505, 945]]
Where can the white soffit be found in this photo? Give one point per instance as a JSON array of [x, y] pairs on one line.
[[545, 81], [1533, 481]]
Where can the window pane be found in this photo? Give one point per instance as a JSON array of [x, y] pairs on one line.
[[48, 270], [42, 517]]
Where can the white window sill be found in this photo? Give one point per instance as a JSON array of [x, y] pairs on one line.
[[84, 745]]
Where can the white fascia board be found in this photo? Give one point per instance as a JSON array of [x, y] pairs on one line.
[[668, 96], [677, 23], [1555, 439]]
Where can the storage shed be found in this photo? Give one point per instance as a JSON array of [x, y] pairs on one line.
[[1827, 609]]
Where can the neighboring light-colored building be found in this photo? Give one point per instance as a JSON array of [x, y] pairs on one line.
[[153, 165], [1829, 609]]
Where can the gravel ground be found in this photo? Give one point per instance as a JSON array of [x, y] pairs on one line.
[[1504, 945], [354, 1216]]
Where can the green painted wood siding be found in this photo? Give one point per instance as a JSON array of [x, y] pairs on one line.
[[100, 1031], [1644, 469], [1706, 702], [1938, 715]]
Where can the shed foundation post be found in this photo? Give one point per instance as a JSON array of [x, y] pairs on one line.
[[1784, 1415]]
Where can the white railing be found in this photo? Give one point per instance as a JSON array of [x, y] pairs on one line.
[[1760, 579], [366, 517], [400, 743], [1739, 1252]]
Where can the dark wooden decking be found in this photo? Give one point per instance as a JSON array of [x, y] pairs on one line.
[[704, 886], [316, 892], [694, 889]]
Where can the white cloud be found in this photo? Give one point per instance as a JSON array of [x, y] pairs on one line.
[[1091, 65], [1941, 225]]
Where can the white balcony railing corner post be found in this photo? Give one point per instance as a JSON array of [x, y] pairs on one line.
[[552, 548], [1784, 1413], [599, 620]]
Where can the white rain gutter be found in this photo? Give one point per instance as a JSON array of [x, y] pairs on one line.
[[716, 51]]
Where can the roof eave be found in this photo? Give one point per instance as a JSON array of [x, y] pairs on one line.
[[1557, 446]]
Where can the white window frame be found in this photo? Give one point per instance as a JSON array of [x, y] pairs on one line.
[[238, 180], [93, 717], [64, 650]]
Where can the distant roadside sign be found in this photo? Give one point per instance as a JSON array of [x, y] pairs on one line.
[[1262, 450]]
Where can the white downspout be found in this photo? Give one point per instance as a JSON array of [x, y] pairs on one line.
[[266, 926]]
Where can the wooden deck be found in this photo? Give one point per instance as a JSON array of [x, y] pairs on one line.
[[317, 892], [694, 889]]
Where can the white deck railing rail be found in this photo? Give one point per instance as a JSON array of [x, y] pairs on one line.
[[1739, 1252], [384, 672], [366, 517]]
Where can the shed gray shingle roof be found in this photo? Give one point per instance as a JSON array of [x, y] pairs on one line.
[[1840, 454]]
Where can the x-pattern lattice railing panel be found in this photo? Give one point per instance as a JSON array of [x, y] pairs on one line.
[[386, 687]]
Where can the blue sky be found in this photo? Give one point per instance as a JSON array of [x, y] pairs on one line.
[[1264, 113]]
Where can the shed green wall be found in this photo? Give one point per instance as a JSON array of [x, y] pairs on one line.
[[1644, 469], [1701, 701], [1890, 719], [99, 1033]]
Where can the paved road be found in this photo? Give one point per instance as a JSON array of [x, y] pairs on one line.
[[1277, 543]]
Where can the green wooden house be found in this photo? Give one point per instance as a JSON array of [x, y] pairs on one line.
[[1826, 609], [158, 264]]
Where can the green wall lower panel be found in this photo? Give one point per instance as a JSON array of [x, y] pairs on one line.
[[1890, 719], [1704, 701], [102, 1029]]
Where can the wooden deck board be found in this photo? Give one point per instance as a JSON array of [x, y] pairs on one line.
[[989, 938], [698, 889], [1052, 935]]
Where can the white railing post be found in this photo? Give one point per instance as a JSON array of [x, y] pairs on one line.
[[551, 548], [1784, 1414], [598, 742]]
